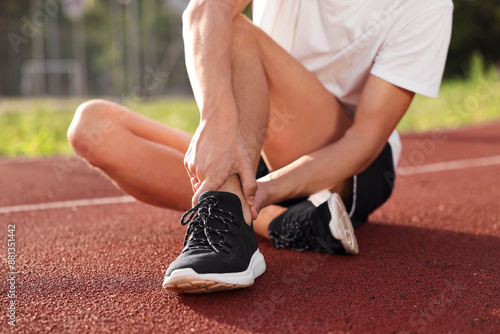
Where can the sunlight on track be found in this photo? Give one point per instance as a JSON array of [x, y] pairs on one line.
[[68, 204], [449, 165]]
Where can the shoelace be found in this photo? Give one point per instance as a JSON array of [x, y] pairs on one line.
[[198, 218], [297, 234]]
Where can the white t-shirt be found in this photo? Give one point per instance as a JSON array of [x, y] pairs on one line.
[[404, 42]]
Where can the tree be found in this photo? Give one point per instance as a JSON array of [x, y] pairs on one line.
[[476, 27]]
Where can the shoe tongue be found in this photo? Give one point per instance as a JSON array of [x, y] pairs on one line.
[[227, 209], [226, 201]]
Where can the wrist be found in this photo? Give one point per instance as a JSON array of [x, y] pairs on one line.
[[273, 194], [283, 184], [220, 109]]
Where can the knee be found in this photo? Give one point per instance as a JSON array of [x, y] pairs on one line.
[[86, 133]]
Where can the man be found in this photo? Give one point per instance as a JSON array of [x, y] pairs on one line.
[[316, 91]]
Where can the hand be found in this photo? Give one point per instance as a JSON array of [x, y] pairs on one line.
[[215, 153], [261, 199]]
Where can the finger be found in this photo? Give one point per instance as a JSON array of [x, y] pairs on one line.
[[194, 181], [248, 183], [195, 184], [206, 185], [254, 213], [188, 165], [188, 168]]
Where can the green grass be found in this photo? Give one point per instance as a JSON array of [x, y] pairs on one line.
[[471, 101], [37, 127]]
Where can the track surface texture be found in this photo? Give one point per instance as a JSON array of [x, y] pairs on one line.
[[428, 261]]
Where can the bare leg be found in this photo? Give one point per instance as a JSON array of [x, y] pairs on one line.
[[142, 157], [303, 117]]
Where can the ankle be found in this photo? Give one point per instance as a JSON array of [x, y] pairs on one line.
[[344, 189], [247, 215], [232, 185]]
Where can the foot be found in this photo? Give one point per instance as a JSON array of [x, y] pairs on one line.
[[220, 250], [305, 227]]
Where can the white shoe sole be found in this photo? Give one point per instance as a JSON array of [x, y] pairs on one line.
[[341, 226], [188, 281]]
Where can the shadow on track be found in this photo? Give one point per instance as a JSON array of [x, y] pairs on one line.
[[405, 279]]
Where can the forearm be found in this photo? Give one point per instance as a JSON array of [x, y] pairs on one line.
[[207, 32], [381, 107], [218, 157], [322, 169]]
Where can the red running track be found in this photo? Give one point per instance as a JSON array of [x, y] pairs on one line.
[[428, 262]]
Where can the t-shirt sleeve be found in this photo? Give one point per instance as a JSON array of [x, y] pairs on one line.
[[414, 53]]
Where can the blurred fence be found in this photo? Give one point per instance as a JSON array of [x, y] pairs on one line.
[[92, 47]]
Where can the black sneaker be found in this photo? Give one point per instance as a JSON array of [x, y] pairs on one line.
[[305, 227], [220, 250]]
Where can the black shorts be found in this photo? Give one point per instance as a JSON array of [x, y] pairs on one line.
[[371, 188]]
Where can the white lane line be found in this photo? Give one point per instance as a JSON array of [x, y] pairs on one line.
[[449, 165], [67, 204]]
